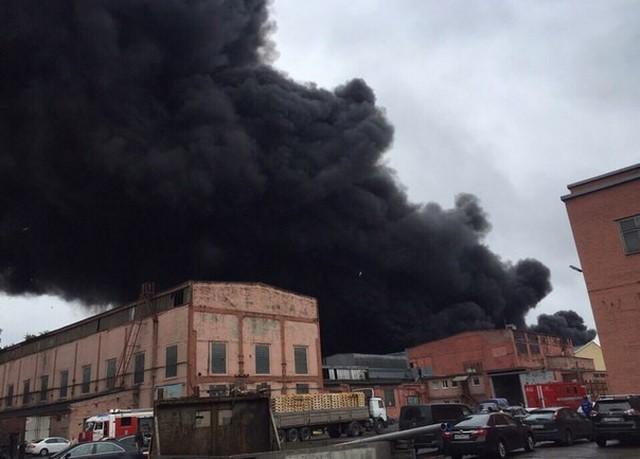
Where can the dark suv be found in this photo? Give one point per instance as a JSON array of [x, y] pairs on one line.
[[433, 415], [616, 418]]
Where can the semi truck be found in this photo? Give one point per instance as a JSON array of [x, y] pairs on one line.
[[297, 416]]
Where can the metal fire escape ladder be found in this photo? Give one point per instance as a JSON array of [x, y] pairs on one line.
[[129, 349]]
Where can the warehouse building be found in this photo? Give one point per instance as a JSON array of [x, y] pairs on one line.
[[604, 213], [198, 338], [387, 376], [476, 365]]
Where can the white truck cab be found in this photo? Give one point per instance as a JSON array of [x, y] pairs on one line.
[[377, 409]]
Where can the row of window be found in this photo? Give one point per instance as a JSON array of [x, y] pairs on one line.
[[218, 360], [218, 365], [446, 383]]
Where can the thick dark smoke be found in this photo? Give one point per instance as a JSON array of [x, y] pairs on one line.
[[567, 324], [150, 140]]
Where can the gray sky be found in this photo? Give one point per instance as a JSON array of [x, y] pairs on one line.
[[510, 101]]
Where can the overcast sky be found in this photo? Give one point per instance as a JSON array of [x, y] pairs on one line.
[[510, 101]]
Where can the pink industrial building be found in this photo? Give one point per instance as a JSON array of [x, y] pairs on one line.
[[198, 338]]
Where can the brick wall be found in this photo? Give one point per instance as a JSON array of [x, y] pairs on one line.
[[612, 278]]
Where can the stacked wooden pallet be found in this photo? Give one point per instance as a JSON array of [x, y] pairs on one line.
[[296, 403]]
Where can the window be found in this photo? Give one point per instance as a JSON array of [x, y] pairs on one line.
[[86, 379], [445, 383], [81, 450], [302, 388], [111, 373], [217, 390], [218, 357], [435, 384], [475, 381], [262, 359], [413, 400], [125, 421], [390, 397], [171, 361], [9, 399], [26, 394], [106, 447], [630, 232], [44, 387], [138, 372], [64, 383], [454, 383], [300, 360]]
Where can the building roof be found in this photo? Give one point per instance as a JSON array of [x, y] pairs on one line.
[[604, 181], [368, 360], [586, 345]]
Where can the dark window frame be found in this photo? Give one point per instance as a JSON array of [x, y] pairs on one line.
[[299, 367], [111, 369], [26, 391], [138, 367], [302, 388], [171, 361], [85, 387], [634, 229], [64, 383], [218, 360], [44, 387], [9, 398], [263, 360]]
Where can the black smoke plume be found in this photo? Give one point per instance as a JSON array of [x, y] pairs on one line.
[[151, 139], [567, 324]]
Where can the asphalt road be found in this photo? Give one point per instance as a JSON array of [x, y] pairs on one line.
[[581, 450]]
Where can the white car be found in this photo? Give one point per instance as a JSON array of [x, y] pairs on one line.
[[46, 446]]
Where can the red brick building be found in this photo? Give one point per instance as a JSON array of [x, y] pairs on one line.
[[604, 213], [475, 365]]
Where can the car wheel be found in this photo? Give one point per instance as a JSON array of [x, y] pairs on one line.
[[44, 452], [501, 450], [354, 429], [568, 438], [305, 434], [334, 431], [601, 442], [529, 443], [292, 434]]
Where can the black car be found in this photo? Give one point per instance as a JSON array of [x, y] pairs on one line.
[[616, 418], [488, 434], [562, 425], [110, 449], [434, 415]]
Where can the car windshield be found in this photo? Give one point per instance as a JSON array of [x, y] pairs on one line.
[[474, 421], [612, 406], [89, 425], [540, 414]]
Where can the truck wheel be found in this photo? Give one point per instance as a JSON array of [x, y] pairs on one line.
[[601, 442], [292, 434], [334, 431], [378, 426], [354, 429], [305, 434]]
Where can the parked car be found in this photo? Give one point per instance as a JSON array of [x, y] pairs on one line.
[[435, 415], [516, 412], [130, 440], [46, 446], [616, 418], [488, 407], [562, 425], [493, 434], [502, 403], [106, 449]]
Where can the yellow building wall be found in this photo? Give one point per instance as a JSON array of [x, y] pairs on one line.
[[592, 351]]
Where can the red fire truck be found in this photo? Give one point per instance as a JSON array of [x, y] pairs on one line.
[[116, 424], [554, 394]]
